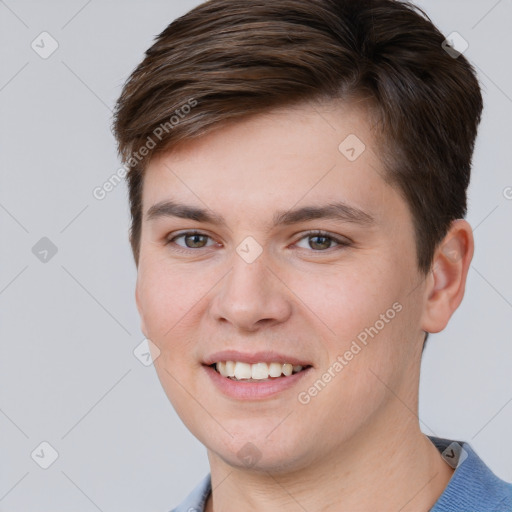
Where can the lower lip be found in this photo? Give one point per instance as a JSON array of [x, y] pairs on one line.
[[243, 390]]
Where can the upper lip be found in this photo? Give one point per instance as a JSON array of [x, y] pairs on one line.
[[254, 357]]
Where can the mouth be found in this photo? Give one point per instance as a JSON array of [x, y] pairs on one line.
[[259, 375], [257, 372]]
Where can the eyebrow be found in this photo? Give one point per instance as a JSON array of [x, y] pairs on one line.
[[337, 211]]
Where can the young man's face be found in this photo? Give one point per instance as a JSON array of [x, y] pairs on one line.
[[251, 286]]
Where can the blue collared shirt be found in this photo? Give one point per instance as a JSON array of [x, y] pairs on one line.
[[473, 487]]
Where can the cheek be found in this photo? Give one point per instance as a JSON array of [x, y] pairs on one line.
[[166, 306], [173, 303], [363, 317], [347, 300], [364, 359], [169, 301], [167, 295]]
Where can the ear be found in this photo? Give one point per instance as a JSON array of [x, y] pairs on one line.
[[139, 309], [446, 281]]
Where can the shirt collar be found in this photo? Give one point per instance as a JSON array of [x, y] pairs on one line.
[[473, 486]]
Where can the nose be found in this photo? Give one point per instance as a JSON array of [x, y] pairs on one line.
[[251, 296]]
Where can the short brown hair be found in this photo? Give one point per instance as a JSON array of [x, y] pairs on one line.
[[228, 59]]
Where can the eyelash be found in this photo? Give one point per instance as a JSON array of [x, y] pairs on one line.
[[315, 233]]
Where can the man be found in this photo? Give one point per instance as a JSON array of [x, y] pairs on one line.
[[297, 176]]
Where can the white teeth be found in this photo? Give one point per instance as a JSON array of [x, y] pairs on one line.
[[221, 368], [258, 371], [243, 371], [275, 369], [230, 368], [287, 369]]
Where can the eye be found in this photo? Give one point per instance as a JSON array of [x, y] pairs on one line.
[[319, 241], [323, 241], [192, 239]]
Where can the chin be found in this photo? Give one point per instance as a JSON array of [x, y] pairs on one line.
[[253, 450]]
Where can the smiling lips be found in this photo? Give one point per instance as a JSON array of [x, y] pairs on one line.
[[257, 376], [238, 370], [258, 366]]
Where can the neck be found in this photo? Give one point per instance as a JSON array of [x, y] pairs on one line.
[[377, 469]]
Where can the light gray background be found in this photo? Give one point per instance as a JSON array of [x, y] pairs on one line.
[[69, 326]]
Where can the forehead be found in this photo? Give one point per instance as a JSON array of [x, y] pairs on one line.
[[308, 154]]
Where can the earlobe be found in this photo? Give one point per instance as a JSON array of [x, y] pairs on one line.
[[447, 279]]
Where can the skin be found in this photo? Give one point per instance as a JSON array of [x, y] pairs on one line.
[[357, 445]]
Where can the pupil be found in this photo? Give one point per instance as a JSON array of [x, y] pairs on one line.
[[194, 237], [324, 238]]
